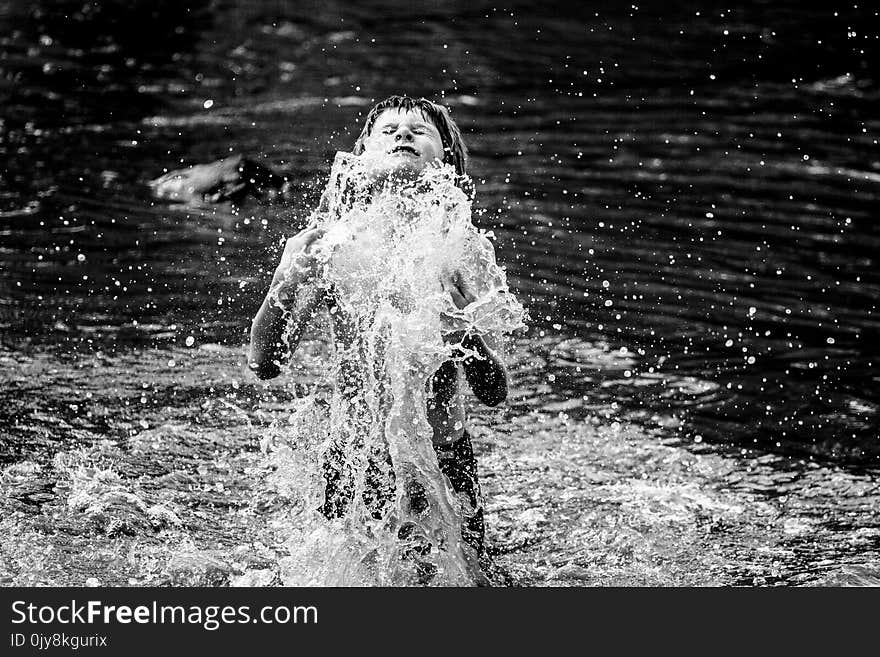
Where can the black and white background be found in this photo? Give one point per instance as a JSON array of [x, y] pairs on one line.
[[684, 195]]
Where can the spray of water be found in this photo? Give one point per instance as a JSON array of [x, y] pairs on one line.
[[369, 503]]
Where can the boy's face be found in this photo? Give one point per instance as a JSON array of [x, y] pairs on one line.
[[404, 141]]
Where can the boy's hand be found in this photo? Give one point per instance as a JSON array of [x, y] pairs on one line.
[[298, 263], [462, 296]]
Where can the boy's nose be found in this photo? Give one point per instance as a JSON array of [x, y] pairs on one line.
[[403, 133]]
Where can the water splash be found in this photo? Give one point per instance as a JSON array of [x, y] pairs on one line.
[[371, 505]]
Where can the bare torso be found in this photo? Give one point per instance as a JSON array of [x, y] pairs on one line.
[[445, 406]]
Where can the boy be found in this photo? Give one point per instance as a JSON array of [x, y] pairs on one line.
[[401, 137]]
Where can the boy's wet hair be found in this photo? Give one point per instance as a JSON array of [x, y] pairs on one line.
[[454, 150]]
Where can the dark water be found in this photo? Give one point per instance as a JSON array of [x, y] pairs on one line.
[[683, 196]]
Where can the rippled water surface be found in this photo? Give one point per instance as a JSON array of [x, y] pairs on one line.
[[684, 197]]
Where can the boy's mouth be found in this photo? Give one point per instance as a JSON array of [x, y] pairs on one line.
[[405, 149]]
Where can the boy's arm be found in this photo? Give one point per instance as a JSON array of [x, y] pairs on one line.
[[282, 305], [486, 375], [268, 350]]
